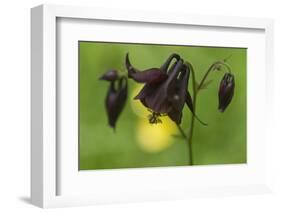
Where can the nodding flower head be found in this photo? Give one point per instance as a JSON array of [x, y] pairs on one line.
[[165, 88], [226, 91], [116, 96]]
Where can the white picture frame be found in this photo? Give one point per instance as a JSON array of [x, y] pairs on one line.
[[46, 161]]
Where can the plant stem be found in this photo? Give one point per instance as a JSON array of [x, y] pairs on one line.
[[189, 140], [204, 78], [189, 145], [195, 93], [182, 132]]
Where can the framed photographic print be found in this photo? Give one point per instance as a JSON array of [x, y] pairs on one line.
[[130, 106]]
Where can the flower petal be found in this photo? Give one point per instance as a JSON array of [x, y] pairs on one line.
[[176, 116], [188, 101], [159, 100], [150, 76], [167, 63], [110, 103], [115, 100], [180, 90], [147, 97], [147, 90]]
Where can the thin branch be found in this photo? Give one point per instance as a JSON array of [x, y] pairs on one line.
[[182, 132]]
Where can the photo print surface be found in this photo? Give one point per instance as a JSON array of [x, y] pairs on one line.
[[148, 105]]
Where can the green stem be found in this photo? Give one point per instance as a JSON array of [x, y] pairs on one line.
[[190, 159], [205, 76], [189, 140], [182, 132], [196, 89], [195, 93]]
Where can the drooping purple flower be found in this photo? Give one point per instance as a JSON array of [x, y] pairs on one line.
[[165, 90], [116, 96], [226, 91]]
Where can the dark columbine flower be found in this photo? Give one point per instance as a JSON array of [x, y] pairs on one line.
[[226, 91], [116, 95], [165, 90]]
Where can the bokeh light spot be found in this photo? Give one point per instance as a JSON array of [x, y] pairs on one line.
[[155, 137]]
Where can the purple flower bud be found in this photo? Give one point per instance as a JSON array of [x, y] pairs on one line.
[[115, 100], [110, 75], [226, 91], [116, 96]]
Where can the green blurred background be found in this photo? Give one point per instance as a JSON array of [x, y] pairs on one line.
[[136, 143]]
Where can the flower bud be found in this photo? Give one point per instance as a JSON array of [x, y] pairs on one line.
[[226, 91], [115, 100], [110, 75]]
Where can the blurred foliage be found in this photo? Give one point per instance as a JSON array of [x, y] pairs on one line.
[[136, 143]]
